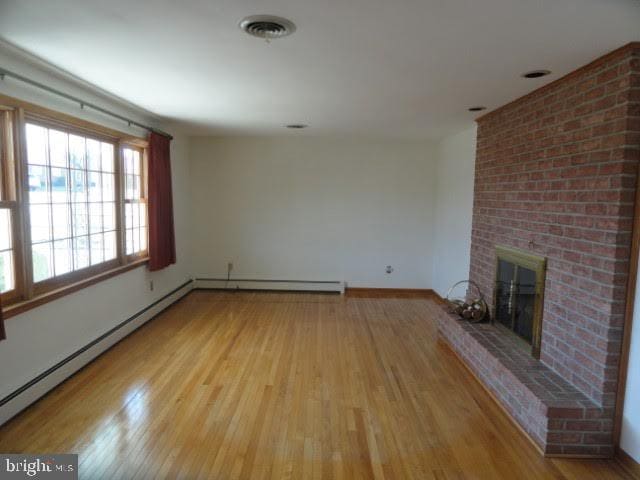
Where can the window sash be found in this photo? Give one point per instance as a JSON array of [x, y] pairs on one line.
[[14, 195], [14, 293], [85, 173], [139, 229], [8, 195]]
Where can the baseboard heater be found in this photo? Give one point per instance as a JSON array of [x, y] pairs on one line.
[[31, 391], [262, 284]]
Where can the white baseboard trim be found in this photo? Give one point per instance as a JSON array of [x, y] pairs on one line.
[[261, 284], [24, 396]]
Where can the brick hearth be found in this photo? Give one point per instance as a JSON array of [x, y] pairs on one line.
[[557, 417], [555, 176]]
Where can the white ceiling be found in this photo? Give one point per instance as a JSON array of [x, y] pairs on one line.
[[402, 68]]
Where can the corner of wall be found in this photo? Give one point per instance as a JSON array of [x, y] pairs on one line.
[[455, 170]]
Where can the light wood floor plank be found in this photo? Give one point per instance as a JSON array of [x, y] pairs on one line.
[[286, 386]]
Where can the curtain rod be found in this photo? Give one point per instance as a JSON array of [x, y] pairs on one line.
[[6, 73]]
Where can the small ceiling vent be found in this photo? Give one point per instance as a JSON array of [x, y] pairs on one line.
[[267, 26]]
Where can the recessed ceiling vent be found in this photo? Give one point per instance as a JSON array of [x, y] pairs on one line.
[[267, 26]]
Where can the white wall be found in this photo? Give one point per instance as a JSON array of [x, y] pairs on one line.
[[314, 209], [454, 204], [630, 435], [41, 337]]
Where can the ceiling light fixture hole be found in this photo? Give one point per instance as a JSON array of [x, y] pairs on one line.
[[296, 126]]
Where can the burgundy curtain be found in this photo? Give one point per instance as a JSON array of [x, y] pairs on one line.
[[162, 243]]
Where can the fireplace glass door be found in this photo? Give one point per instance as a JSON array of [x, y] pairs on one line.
[[518, 294]]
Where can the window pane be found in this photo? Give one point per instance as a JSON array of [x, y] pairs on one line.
[[59, 185], [77, 150], [36, 144], [110, 246], [143, 214], [78, 186], [42, 262], [62, 254], [5, 229], [38, 184], [136, 162], [143, 239], [136, 187], [80, 219], [128, 160], [97, 249], [95, 187], [107, 157], [128, 193], [108, 188], [93, 155], [61, 221], [95, 217], [109, 216], [136, 239], [7, 274], [58, 143], [134, 215], [81, 252], [128, 215], [40, 216], [129, 241]]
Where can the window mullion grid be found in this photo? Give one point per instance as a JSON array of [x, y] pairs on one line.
[[72, 210], [121, 226], [50, 206], [100, 232], [86, 179]]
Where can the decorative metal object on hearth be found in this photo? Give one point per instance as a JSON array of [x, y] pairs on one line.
[[471, 306]]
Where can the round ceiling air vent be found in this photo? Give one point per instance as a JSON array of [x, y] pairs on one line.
[[296, 126], [267, 26]]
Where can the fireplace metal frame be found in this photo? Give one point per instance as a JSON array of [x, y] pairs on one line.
[[537, 264]]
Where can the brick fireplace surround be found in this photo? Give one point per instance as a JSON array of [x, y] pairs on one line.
[[555, 175]]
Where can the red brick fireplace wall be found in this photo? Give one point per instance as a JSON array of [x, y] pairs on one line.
[[555, 175]]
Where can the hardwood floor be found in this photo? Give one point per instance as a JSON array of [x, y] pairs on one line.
[[282, 385]]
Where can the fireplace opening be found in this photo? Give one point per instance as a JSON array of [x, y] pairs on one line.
[[518, 294]]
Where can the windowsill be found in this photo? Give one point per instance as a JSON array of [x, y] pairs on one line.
[[26, 305]]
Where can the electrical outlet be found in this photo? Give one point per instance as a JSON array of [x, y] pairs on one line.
[[229, 266], [389, 269], [151, 285]]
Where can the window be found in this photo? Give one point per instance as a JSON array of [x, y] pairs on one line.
[[72, 201], [135, 207], [7, 269], [8, 206]]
